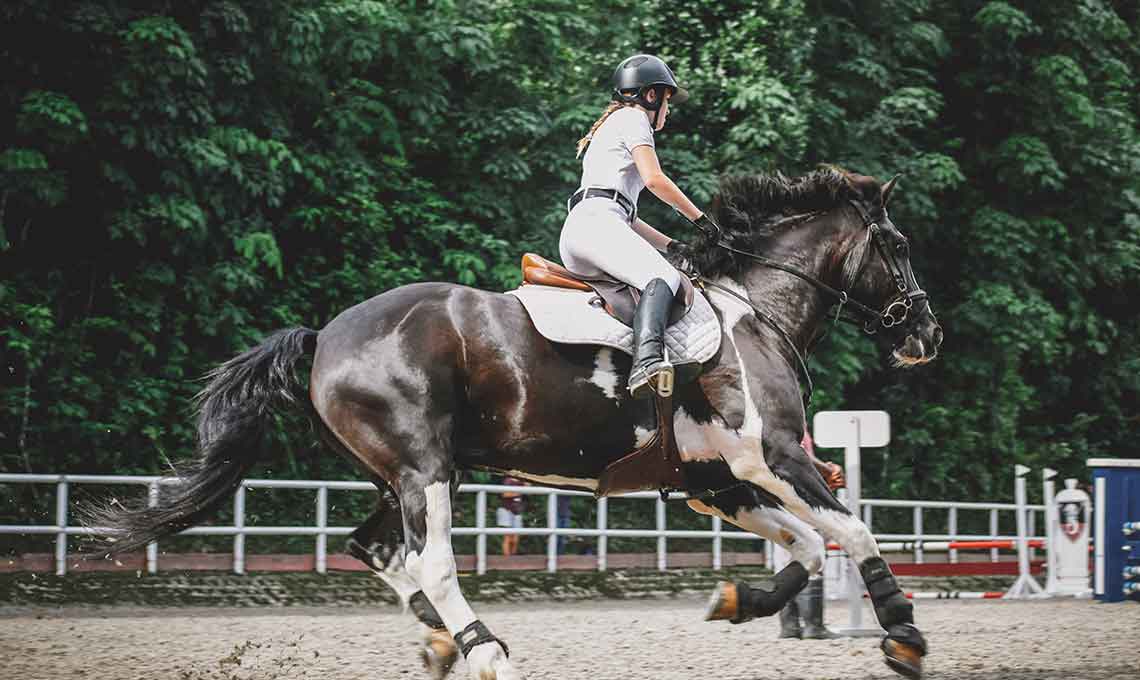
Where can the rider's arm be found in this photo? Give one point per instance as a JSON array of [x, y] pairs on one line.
[[662, 187], [646, 231]]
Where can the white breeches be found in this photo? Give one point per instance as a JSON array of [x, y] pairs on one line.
[[596, 239]]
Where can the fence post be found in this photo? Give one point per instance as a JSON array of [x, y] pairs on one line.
[[152, 547], [481, 538], [662, 542], [322, 525], [61, 523], [867, 516], [717, 543], [1031, 519], [551, 538], [239, 524], [602, 537], [952, 521], [918, 534], [993, 533]]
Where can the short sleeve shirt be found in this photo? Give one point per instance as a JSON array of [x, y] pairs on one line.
[[608, 162]]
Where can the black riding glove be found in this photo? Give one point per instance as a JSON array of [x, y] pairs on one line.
[[680, 254], [711, 230]]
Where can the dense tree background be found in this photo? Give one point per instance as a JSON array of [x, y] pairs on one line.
[[178, 178]]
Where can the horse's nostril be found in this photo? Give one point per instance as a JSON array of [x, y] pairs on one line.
[[938, 336]]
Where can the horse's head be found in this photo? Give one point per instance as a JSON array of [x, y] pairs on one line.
[[877, 273]]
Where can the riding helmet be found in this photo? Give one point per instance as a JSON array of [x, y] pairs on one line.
[[640, 73]]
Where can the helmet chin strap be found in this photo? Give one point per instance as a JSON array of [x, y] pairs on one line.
[[656, 106]]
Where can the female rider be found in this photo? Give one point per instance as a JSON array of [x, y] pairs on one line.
[[602, 232]]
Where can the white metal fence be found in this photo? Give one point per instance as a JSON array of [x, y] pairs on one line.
[[320, 530]]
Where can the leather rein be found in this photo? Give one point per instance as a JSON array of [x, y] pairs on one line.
[[893, 313]]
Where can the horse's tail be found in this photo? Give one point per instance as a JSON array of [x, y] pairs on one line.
[[234, 411]]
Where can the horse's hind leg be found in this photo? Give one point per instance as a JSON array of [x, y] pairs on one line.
[[379, 544], [426, 503]]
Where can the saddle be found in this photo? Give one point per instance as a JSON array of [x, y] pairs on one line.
[[618, 298], [655, 466]]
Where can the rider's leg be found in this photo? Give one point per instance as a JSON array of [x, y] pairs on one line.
[[596, 238]]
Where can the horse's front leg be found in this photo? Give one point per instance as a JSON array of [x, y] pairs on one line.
[[786, 473], [738, 601]]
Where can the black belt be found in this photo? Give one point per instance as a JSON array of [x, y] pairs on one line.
[[612, 194]]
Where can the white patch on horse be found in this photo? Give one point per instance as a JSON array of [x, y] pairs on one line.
[[556, 480], [641, 436], [745, 457], [434, 567], [849, 532], [605, 375]]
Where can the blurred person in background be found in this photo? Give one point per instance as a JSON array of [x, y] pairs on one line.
[[510, 514]]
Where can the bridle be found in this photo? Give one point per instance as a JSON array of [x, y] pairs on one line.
[[893, 313]]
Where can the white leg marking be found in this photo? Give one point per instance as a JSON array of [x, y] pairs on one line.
[[434, 569], [605, 375], [783, 528], [398, 578]]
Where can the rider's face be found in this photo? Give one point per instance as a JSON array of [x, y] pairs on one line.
[[664, 113]]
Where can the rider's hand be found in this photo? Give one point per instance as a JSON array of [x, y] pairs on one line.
[[711, 229], [834, 477], [680, 254]]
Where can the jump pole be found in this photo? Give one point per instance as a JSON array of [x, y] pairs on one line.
[[1025, 586], [1047, 488]]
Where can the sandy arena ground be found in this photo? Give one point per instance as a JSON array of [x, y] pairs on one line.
[[654, 640]]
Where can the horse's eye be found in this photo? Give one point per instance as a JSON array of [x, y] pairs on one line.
[[902, 247]]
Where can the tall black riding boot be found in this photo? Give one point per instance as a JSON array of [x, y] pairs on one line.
[[810, 600], [790, 620], [651, 372]]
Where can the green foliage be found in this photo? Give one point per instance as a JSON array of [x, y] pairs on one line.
[[179, 178]]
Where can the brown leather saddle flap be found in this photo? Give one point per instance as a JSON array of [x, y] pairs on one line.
[[656, 466], [619, 298]]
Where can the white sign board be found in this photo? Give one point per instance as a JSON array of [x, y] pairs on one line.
[[840, 429]]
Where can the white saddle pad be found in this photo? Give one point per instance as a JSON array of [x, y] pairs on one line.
[[564, 315]]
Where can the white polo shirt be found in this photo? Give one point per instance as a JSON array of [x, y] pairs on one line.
[[608, 162]]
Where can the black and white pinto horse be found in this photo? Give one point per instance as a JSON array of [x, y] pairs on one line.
[[426, 379]]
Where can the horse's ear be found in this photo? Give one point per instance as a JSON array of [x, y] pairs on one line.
[[885, 192]]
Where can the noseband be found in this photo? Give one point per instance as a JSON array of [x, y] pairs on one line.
[[893, 313]]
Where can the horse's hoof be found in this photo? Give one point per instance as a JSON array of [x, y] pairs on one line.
[[724, 604], [903, 659], [439, 654]]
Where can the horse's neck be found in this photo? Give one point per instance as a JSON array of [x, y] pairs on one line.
[[797, 305]]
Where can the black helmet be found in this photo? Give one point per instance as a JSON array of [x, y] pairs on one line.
[[638, 74]]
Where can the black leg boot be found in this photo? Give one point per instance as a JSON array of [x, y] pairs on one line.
[[790, 620], [811, 606], [651, 372]]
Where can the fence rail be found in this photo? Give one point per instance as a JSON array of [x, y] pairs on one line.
[[321, 530]]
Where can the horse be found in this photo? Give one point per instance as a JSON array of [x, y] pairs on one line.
[[427, 379]]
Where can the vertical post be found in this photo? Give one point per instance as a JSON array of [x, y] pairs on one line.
[[481, 537], [551, 538], [769, 555], [1031, 520], [867, 517], [1100, 552], [918, 558], [602, 537], [717, 546], [993, 534], [152, 547], [1025, 585], [952, 527], [662, 546], [322, 525], [239, 524], [853, 464], [61, 525], [1047, 489]]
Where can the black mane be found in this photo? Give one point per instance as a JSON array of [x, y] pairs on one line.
[[753, 208]]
